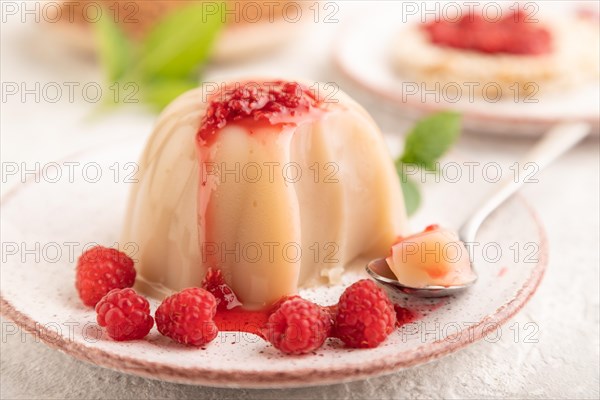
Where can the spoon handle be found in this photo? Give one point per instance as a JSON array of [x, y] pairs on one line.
[[555, 142]]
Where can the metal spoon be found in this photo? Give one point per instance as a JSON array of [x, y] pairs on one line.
[[555, 142]]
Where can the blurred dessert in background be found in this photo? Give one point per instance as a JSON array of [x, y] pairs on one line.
[[515, 55], [272, 183], [251, 27]]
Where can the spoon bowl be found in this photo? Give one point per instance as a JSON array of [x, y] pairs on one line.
[[381, 272], [556, 142]]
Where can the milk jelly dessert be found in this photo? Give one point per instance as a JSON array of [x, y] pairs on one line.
[[276, 184]]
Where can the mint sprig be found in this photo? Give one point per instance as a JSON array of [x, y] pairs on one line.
[[114, 48], [166, 62], [160, 93], [410, 190], [178, 43], [425, 144], [430, 138]]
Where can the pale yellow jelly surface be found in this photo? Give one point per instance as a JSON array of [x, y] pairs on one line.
[[433, 258], [274, 207]]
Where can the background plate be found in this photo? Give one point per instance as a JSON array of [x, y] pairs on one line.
[[363, 53]]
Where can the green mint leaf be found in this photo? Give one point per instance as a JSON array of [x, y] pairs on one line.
[[115, 50], [159, 94], [179, 43], [410, 190], [430, 138]]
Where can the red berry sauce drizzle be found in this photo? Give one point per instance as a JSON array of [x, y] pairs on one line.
[[232, 317], [272, 102], [515, 33]]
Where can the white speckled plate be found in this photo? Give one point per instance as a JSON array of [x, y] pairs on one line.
[[45, 225], [363, 55]]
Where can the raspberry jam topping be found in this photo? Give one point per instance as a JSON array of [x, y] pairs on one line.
[[268, 101], [512, 34]]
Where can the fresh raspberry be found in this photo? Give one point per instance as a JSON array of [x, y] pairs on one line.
[[215, 284], [187, 317], [125, 314], [404, 315], [275, 306], [328, 311], [100, 270], [365, 315], [298, 326]]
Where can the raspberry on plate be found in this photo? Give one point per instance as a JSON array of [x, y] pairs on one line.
[[365, 315], [275, 306], [100, 270], [187, 317], [298, 326], [215, 284], [124, 314]]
